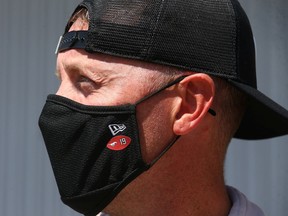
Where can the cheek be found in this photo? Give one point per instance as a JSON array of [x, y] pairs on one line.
[[155, 129]]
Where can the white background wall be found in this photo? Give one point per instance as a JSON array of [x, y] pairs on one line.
[[29, 31]]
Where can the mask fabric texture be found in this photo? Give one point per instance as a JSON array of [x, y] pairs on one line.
[[94, 150]]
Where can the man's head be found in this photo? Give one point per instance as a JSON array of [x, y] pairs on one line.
[[229, 102], [169, 66], [213, 37]]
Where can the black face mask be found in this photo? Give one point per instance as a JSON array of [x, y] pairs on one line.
[[94, 151]]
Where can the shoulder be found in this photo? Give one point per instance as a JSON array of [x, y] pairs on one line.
[[241, 206]]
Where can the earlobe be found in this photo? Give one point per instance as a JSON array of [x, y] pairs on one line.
[[197, 93]]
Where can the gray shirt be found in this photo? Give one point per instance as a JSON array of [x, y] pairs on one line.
[[241, 205]]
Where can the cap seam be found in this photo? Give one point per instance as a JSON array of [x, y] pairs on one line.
[[237, 26], [151, 39]]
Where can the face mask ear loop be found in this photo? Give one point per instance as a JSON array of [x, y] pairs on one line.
[[162, 88], [177, 137], [164, 151]]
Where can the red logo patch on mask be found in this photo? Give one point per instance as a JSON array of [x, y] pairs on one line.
[[119, 143]]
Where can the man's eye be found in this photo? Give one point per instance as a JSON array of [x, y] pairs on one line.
[[86, 85], [84, 79]]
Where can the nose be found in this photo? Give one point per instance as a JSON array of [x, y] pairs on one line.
[[64, 90], [67, 89], [60, 90]]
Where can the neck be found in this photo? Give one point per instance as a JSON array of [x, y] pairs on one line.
[[178, 184]]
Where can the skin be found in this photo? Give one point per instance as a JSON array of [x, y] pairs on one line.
[[188, 179]]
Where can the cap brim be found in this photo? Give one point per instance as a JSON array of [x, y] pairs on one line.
[[263, 118]]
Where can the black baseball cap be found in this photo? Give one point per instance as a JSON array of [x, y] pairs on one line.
[[208, 36]]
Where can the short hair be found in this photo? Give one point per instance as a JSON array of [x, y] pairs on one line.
[[230, 104], [82, 14]]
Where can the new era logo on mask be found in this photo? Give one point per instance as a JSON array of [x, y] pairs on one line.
[[116, 128]]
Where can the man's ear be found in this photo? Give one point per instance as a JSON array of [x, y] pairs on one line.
[[197, 92]]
